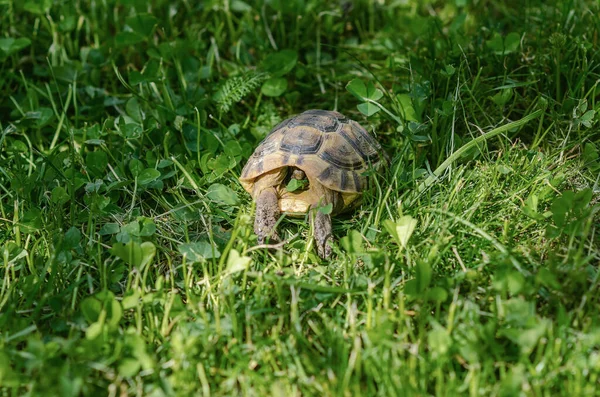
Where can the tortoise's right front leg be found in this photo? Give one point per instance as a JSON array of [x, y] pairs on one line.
[[267, 214]]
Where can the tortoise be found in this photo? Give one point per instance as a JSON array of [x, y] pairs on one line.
[[325, 147]]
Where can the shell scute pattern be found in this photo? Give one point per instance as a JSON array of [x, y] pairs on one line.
[[321, 120], [304, 140], [363, 143], [324, 144]]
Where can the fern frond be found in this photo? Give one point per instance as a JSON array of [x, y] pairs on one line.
[[236, 88]]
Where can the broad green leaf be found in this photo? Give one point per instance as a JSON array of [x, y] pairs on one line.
[[150, 73], [368, 109], [38, 7], [390, 226], [528, 338], [588, 118], [357, 88], [560, 206], [131, 228], [129, 367], [439, 341], [296, 184], [496, 44], [448, 71], [9, 45], [504, 169], [405, 226], [148, 175], [511, 42], [280, 63], [222, 194], [134, 111], [552, 232], [137, 346], [519, 312], [148, 228], [590, 153], [506, 45], [531, 208], [221, 163], [418, 286], [92, 308], [580, 109], [274, 86], [364, 91], [142, 24], [32, 220], [582, 199], [124, 39], [373, 92], [138, 255], [503, 96], [41, 116], [352, 242], [326, 209], [407, 110], [136, 167], [240, 6], [132, 130], [60, 195], [18, 146], [94, 187], [8, 377], [136, 77], [93, 331], [237, 263], [109, 228], [163, 163], [72, 238], [548, 279], [12, 253], [131, 299], [233, 149], [515, 282], [96, 163], [198, 251], [423, 275], [437, 294]]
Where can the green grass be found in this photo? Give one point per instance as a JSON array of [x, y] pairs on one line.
[[129, 265]]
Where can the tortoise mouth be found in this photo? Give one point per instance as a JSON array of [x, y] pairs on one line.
[[296, 180]]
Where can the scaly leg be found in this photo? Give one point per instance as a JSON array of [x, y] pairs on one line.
[[267, 214], [322, 231], [322, 222]]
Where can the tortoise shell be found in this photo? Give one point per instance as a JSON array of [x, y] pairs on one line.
[[326, 145]]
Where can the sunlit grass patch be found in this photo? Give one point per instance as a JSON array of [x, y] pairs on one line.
[[129, 263]]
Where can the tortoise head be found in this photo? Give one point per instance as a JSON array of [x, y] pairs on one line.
[[298, 174]]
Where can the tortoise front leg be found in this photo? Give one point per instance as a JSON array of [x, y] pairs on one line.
[[321, 222], [322, 231], [267, 214]]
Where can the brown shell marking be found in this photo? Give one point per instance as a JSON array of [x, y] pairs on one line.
[[325, 145]]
